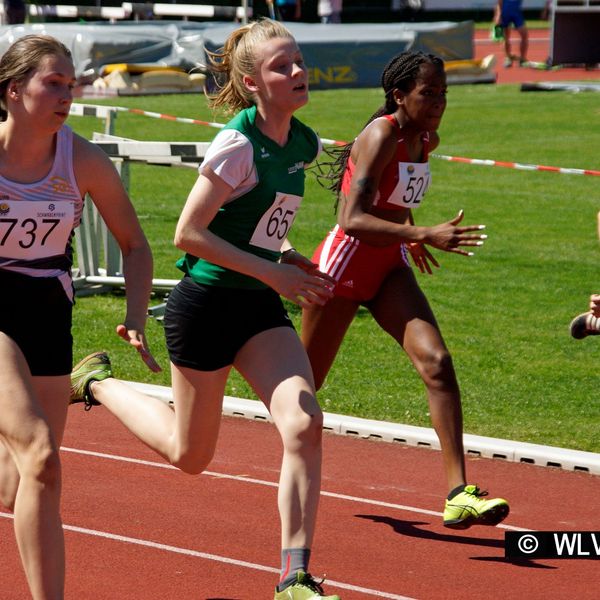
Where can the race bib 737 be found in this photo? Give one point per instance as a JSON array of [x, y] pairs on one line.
[[32, 229]]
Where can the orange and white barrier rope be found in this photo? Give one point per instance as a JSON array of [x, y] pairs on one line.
[[103, 111], [513, 165]]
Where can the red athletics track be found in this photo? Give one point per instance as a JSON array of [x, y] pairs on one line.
[[215, 536], [539, 50]]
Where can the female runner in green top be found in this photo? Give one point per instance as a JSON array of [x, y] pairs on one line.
[[227, 311]]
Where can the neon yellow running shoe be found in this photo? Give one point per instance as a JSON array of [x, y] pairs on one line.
[[467, 508], [305, 588], [94, 367]]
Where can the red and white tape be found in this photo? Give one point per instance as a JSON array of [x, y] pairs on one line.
[[513, 165], [101, 112]]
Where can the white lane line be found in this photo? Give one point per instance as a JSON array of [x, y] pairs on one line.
[[245, 479], [214, 557]]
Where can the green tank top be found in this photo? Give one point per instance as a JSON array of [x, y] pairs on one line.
[[258, 221]]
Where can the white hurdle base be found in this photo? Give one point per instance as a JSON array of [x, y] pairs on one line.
[[423, 437]]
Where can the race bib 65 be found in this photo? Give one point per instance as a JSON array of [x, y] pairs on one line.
[[273, 227]]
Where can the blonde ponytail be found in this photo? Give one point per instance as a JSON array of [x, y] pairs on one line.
[[238, 58]]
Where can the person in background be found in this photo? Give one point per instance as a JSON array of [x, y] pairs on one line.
[[330, 11], [546, 11], [289, 10], [15, 12], [45, 172], [587, 323], [227, 312], [379, 180], [507, 13]]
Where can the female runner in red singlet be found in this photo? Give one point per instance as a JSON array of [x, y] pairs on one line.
[[380, 179]]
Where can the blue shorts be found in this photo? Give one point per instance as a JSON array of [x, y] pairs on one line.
[[206, 326], [36, 314], [511, 13]]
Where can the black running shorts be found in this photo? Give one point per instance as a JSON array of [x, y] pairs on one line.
[[36, 313], [206, 326]]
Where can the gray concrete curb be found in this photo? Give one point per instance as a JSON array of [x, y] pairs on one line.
[[423, 437]]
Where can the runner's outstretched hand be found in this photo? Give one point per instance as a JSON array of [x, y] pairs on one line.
[[450, 237], [137, 339], [421, 256]]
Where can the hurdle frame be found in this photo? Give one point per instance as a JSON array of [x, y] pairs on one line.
[[139, 10], [92, 237]]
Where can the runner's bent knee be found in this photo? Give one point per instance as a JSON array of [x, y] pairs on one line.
[[192, 461], [436, 368], [302, 429], [39, 459]]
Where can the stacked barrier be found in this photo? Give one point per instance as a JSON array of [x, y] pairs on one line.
[[139, 10]]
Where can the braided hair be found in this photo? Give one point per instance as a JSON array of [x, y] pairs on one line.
[[401, 73]]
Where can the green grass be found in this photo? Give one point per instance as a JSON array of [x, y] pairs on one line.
[[504, 312]]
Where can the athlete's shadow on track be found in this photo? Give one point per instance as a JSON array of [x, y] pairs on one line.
[[410, 528]]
